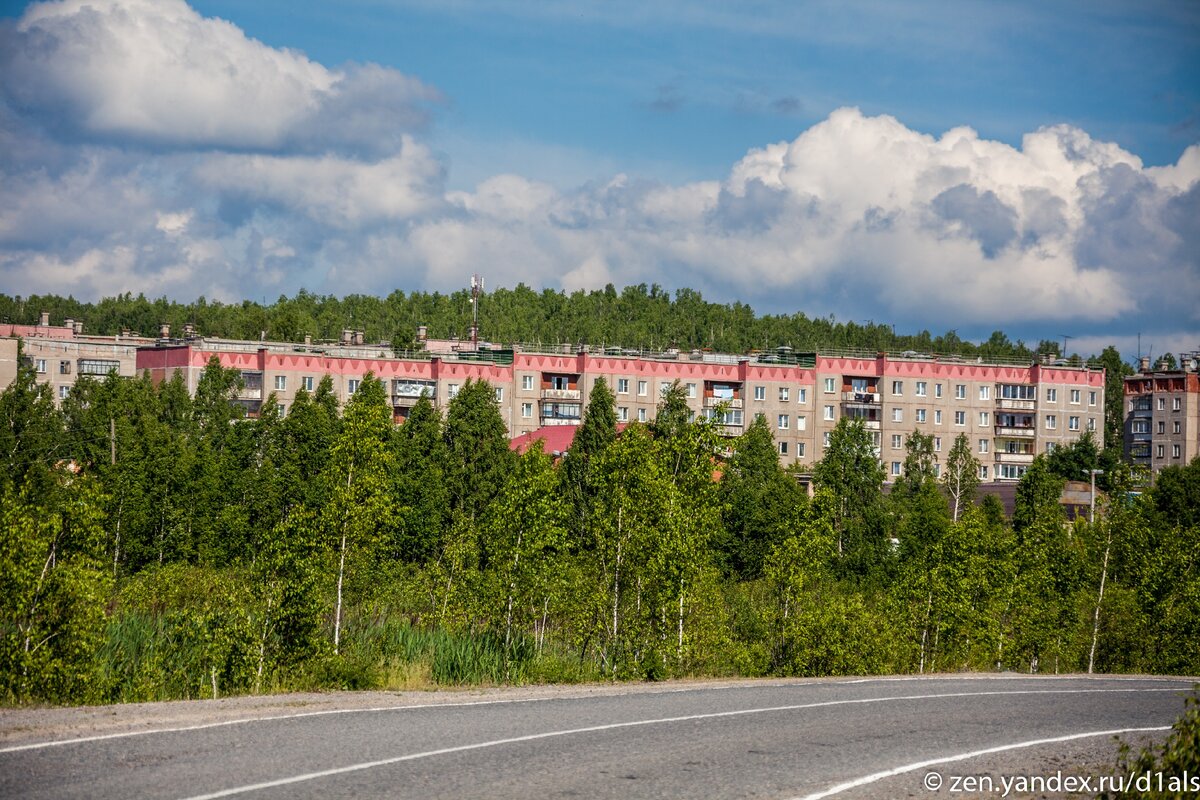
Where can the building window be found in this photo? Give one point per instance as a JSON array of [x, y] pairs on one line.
[[801, 422], [937, 416], [985, 419], [1175, 427], [1176, 404], [897, 388], [825, 439], [828, 412], [783, 448], [799, 449], [307, 383], [622, 385], [642, 386], [1091, 424], [985, 393], [937, 390], [526, 410], [1072, 423], [784, 422], [526, 382], [897, 415], [1075, 397], [829, 386], [983, 472], [784, 394], [895, 468], [1160, 450], [1013, 471], [691, 390], [93, 366], [1162, 404], [622, 414], [922, 387], [63, 391], [897, 441], [281, 383], [1052, 395], [282, 410], [960, 418], [1091, 398], [452, 391], [920, 415], [937, 444], [41, 366], [1140, 426], [641, 415], [960, 391], [664, 387], [1162, 426], [64, 368], [802, 394], [499, 394], [1175, 451], [983, 445], [1051, 422], [352, 385], [760, 393], [1050, 447]]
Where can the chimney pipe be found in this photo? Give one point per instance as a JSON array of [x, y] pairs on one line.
[[164, 331], [1144, 364], [44, 319]]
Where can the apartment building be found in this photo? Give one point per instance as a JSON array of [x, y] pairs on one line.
[[1010, 412], [61, 353], [1162, 414]]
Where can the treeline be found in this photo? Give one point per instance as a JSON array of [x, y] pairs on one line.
[[636, 316], [156, 546]]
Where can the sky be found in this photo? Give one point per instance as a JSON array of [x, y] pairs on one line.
[[1032, 167]]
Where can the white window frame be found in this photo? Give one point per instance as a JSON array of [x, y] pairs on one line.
[[922, 388], [643, 387], [622, 385], [784, 394], [897, 388], [784, 422], [281, 383], [526, 382], [526, 410]]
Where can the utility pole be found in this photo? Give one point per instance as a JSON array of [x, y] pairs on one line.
[[1065, 339]]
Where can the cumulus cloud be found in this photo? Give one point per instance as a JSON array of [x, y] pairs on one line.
[[155, 71], [147, 148]]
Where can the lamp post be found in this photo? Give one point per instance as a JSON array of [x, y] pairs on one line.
[[1092, 473]]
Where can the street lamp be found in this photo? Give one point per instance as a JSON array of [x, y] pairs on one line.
[[1092, 473]]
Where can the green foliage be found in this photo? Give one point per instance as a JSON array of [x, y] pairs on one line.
[[1176, 761], [850, 471], [477, 446]]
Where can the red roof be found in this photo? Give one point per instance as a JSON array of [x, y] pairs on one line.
[[556, 439]]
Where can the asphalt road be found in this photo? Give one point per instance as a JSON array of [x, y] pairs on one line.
[[780, 740]]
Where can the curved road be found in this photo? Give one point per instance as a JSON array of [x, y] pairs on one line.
[[843, 738]]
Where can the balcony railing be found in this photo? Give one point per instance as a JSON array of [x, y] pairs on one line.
[[561, 394], [1142, 436], [1016, 432], [1143, 412], [250, 393], [871, 424], [728, 402], [861, 398], [1014, 458], [1016, 405]]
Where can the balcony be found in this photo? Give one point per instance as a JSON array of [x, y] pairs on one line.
[[860, 398], [1016, 432], [561, 394], [728, 402], [1138, 411], [1014, 458], [252, 383], [1142, 436], [407, 393], [871, 424], [1010, 404]]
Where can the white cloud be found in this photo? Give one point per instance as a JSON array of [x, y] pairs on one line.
[[333, 190], [156, 71]]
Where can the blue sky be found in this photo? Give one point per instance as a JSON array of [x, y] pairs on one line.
[[966, 165]]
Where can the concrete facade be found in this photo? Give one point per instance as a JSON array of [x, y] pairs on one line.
[[1162, 414]]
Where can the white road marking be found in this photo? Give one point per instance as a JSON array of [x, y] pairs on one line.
[[308, 776], [933, 762], [499, 701]]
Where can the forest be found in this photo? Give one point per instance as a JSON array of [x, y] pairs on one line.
[[636, 316], [156, 545]]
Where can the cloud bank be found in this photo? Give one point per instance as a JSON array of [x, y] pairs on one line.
[[146, 148]]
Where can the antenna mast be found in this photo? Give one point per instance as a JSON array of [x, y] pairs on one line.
[[476, 288]]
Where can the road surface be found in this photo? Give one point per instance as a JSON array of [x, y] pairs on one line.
[[875, 737]]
